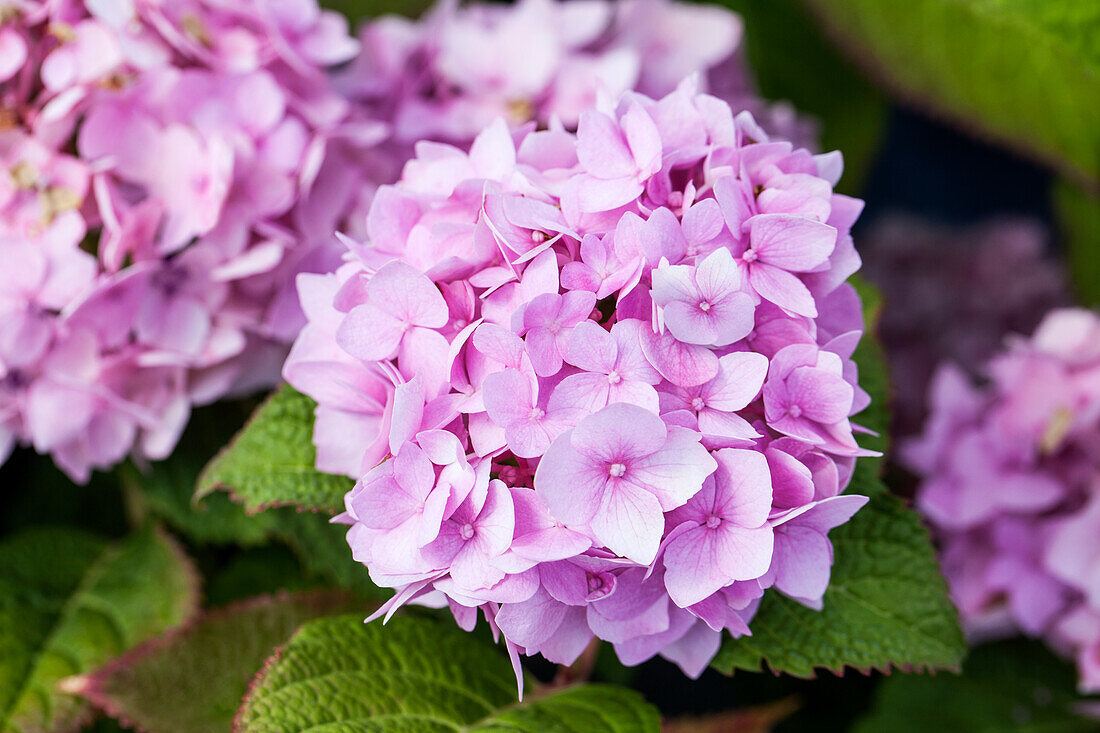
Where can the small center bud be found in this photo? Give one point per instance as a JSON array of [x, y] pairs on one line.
[[698, 404], [467, 531], [794, 411], [614, 378], [704, 306], [538, 237], [536, 413], [616, 470], [750, 255], [713, 521], [676, 199]]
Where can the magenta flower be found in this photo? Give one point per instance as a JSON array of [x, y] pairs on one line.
[[599, 269], [807, 398], [568, 321], [614, 369], [169, 187], [479, 531], [775, 248], [715, 404], [548, 322], [618, 471], [803, 553], [704, 304], [617, 157], [530, 425], [1008, 483], [721, 534], [399, 299]]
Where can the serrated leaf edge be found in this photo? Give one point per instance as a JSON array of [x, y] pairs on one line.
[[205, 485], [194, 595], [90, 686]]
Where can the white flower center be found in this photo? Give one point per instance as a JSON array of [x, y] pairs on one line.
[[614, 378], [536, 413], [713, 521], [466, 531], [616, 470], [704, 306], [750, 255], [697, 404], [794, 411]]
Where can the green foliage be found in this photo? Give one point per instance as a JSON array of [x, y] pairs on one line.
[[418, 674], [792, 62], [874, 377], [192, 680], [69, 602], [167, 488], [1026, 72], [1079, 217], [886, 606], [1008, 686], [270, 463], [323, 551], [257, 571], [32, 488], [358, 10], [590, 708]]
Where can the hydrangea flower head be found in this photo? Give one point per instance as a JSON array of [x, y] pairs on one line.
[[560, 419], [450, 74], [167, 169], [1009, 482]]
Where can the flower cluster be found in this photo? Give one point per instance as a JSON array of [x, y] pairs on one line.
[[167, 168], [947, 296], [596, 384], [1011, 484], [448, 75]]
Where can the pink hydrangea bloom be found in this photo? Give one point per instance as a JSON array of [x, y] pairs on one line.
[[448, 75], [556, 327], [167, 169], [1009, 483]]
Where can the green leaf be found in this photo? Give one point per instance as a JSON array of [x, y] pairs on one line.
[[357, 10], [271, 461], [1026, 72], [257, 571], [192, 680], [167, 488], [323, 551], [33, 487], [595, 708], [874, 377], [418, 674], [1008, 686], [1079, 219], [792, 62], [69, 602], [886, 606]]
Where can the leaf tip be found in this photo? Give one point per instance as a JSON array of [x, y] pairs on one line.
[[80, 685]]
